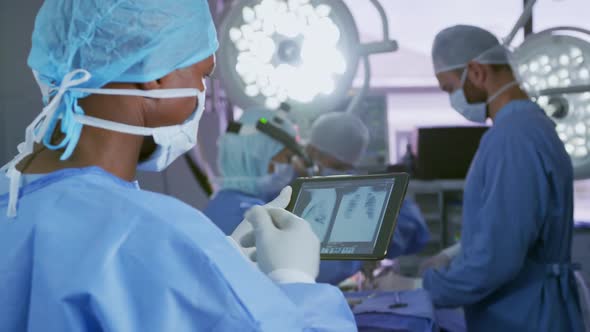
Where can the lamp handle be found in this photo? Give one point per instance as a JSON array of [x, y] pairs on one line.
[[524, 17]]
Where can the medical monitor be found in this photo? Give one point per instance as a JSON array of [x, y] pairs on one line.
[[353, 216]]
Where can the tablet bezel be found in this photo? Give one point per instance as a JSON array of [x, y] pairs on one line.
[[390, 216]]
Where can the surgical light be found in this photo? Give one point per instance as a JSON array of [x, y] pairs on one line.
[[561, 89], [302, 52]]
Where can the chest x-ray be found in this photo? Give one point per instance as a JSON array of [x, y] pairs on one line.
[[359, 215], [320, 209], [343, 212]]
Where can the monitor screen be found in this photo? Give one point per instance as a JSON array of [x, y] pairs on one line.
[[345, 215]]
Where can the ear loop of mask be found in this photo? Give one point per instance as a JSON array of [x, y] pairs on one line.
[[68, 127], [496, 94], [501, 91]]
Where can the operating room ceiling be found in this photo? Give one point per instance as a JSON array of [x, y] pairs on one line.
[[415, 23]]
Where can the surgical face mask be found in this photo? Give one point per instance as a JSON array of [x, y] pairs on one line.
[[476, 112], [172, 140], [271, 184]]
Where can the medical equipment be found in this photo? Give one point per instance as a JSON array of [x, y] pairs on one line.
[[302, 52], [553, 67], [265, 126], [446, 152], [353, 216]]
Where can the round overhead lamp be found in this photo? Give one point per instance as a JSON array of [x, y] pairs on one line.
[[554, 69], [301, 52]]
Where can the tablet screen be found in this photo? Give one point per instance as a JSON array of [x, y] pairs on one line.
[[345, 215]]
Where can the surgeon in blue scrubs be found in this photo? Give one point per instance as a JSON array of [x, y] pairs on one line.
[[253, 166], [513, 271], [82, 248], [337, 142]]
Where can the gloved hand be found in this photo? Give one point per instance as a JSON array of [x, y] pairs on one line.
[[287, 249], [243, 236], [440, 260]]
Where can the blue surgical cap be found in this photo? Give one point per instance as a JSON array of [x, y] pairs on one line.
[[456, 46], [244, 159], [341, 135], [127, 41], [130, 41]]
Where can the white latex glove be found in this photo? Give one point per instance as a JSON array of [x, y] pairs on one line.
[[287, 249], [243, 236], [441, 260]]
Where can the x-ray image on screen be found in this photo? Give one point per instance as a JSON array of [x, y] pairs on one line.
[[319, 210], [358, 215], [345, 215]]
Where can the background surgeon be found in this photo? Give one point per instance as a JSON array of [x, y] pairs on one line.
[[513, 271], [337, 143], [81, 246]]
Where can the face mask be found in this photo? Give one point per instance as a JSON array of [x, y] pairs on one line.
[[473, 112], [270, 185], [476, 112], [171, 140]]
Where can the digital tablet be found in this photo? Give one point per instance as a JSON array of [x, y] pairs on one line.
[[353, 216]]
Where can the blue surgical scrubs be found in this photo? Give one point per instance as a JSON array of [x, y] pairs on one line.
[[90, 252], [514, 272], [226, 209]]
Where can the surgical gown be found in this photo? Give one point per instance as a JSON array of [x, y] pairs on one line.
[[227, 209], [514, 272], [90, 252]]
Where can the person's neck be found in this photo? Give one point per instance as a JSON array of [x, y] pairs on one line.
[[512, 94], [114, 152]]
